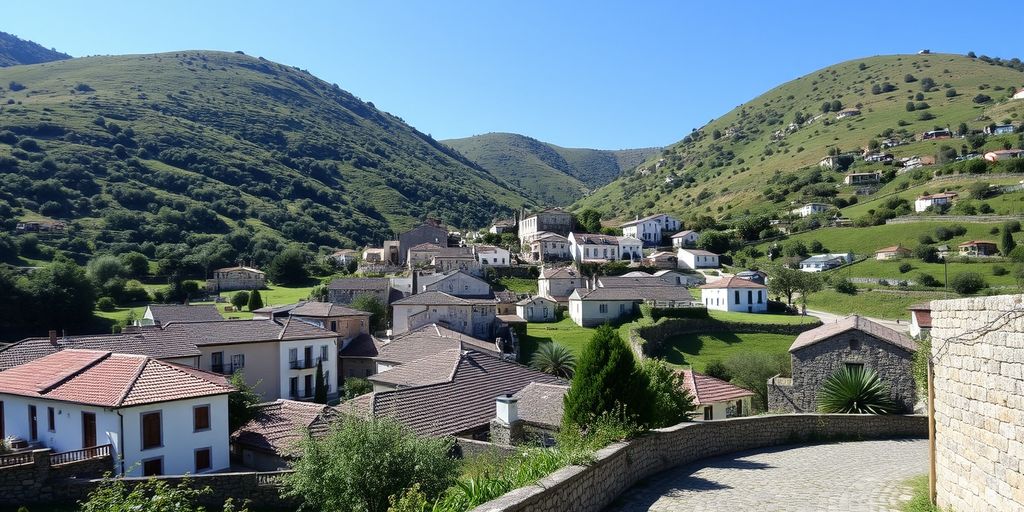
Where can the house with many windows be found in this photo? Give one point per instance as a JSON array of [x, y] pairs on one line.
[[735, 294], [687, 238], [589, 247], [547, 246], [649, 229], [558, 283], [551, 220], [469, 315], [589, 308], [696, 258], [236, 278], [157, 417]]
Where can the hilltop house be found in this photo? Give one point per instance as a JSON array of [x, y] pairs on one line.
[[649, 229], [735, 294], [236, 278], [472, 316], [431, 231], [266, 441], [928, 201], [716, 399], [847, 112], [558, 284], [537, 309], [686, 238], [158, 417], [1003, 154], [862, 178], [548, 247], [160, 314], [999, 129], [552, 220], [978, 248], [811, 209], [696, 258], [853, 342], [823, 262], [892, 253]]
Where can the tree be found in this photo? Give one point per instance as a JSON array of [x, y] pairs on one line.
[[784, 281], [926, 253], [320, 385], [116, 495], [927, 84], [589, 220], [372, 305], [289, 267], [242, 402], [671, 403], [809, 283], [826, 107], [751, 370], [967, 283], [749, 228], [844, 285], [716, 368], [135, 263], [255, 301], [360, 463], [61, 295], [554, 359], [1008, 243], [105, 267], [837, 105], [606, 379], [715, 241], [855, 391], [908, 78], [240, 299], [355, 386]]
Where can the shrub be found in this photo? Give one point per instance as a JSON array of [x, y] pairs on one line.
[[855, 391], [716, 368], [925, 238], [751, 370], [924, 279], [240, 299], [926, 253], [844, 285], [999, 270], [255, 301], [372, 305], [981, 98], [606, 377], [905, 267], [356, 386], [242, 402], [967, 283], [554, 359], [114, 494], [671, 403], [106, 304]]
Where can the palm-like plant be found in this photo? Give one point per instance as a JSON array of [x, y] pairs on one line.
[[855, 391], [554, 359]]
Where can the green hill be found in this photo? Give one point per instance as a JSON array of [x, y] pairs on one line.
[[15, 51], [753, 160], [206, 152], [545, 172]]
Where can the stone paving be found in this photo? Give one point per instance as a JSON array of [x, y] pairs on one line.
[[851, 476]]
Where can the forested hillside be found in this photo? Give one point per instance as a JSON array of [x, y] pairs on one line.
[[14, 51]]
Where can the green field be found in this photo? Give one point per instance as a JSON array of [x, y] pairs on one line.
[[697, 350], [519, 284], [1003, 204], [563, 332], [867, 240], [760, 318], [890, 269], [890, 305]]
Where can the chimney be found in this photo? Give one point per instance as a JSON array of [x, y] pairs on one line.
[[506, 427], [415, 281], [53, 337], [507, 409]]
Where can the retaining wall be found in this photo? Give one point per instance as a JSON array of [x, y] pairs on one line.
[[619, 466], [39, 482]]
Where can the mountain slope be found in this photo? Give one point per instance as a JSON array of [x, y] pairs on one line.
[[548, 173], [15, 51], [243, 146], [750, 160]]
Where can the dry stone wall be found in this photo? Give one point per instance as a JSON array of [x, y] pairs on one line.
[[978, 373]]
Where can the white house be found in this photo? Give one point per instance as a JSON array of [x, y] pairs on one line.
[[924, 202], [716, 399], [158, 418], [472, 316], [559, 283], [492, 256], [687, 238], [630, 248], [553, 220], [696, 258], [588, 247], [649, 229], [537, 309], [1003, 154], [343, 256], [455, 282], [735, 294], [822, 262], [589, 308], [920, 319], [811, 209], [547, 247], [1019, 95]]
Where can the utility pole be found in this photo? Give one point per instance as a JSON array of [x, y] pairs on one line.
[[945, 273]]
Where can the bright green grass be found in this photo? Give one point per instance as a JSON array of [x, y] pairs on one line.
[[564, 332], [889, 269], [760, 318], [273, 296], [869, 239], [875, 303], [1003, 204], [698, 350], [519, 284], [920, 500]]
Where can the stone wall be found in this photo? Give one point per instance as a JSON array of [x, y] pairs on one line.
[[978, 373], [619, 466], [39, 482]]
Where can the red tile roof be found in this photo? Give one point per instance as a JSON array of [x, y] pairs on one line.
[[709, 390], [109, 380], [893, 248], [731, 282], [977, 242]]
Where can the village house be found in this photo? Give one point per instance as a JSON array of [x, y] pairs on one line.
[[472, 316], [999, 129], [374, 255], [503, 226], [932, 200], [756, 276], [823, 262], [862, 178], [892, 253], [343, 257], [558, 283], [345, 290], [158, 418], [920, 320], [236, 278], [638, 279], [685, 238], [942, 133], [716, 399], [537, 309], [276, 429], [878, 158], [589, 308], [696, 258], [662, 259], [630, 248], [588, 247], [847, 112], [492, 256], [356, 357], [649, 229], [147, 342], [552, 220], [506, 302], [426, 341], [457, 258], [978, 248], [431, 231], [811, 209], [159, 314], [421, 255], [453, 282], [346, 322], [853, 342], [547, 247], [735, 294], [1003, 154]]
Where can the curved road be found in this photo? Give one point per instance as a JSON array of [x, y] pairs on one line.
[[853, 476]]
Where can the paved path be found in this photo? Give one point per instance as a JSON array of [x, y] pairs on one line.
[[829, 318], [854, 476]]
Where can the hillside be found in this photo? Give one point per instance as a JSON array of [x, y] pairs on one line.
[[143, 152], [15, 51], [548, 173], [759, 159]]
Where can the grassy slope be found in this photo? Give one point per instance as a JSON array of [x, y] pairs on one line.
[[245, 122], [736, 187], [876, 304], [698, 350], [869, 239], [548, 173]]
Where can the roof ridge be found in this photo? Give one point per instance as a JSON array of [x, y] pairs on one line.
[[64, 378], [132, 382]]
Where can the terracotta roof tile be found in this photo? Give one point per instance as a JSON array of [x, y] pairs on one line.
[[731, 282], [708, 390]]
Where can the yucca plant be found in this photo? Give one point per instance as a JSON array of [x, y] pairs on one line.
[[855, 391], [554, 359]]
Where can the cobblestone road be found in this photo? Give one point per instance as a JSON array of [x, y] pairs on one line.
[[854, 476]]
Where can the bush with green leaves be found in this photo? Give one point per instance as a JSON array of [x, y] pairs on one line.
[[242, 402], [356, 386], [606, 377], [926, 253], [289, 266], [671, 403], [844, 285], [967, 283], [117, 495], [925, 279], [255, 300], [240, 299], [905, 267], [855, 390], [360, 464], [554, 359], [751, 370], [716, 368], [106, 304], [999, 270], [372, 305]]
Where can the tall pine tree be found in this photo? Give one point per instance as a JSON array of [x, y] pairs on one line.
[[1008, 243], [319, 386], [255, 301], [606, 377]]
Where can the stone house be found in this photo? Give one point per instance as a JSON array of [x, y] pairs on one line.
[[421, 255], [236, 278], [851, 342], [347, 322], [457, 258], [548, 247], [552, 220], [344, 291], [431, 231], [472, 316], [662, 259]]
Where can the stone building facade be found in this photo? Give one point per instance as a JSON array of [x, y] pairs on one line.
[[978, 371], [236, 278], [432, 232], [852, 341]]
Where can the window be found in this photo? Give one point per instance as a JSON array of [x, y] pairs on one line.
[[50, 420], [709, 413], [33, 431], [324, 352], [736, 294], [152, 437], [739, 407], [153, 467], [750, 296], [334, 325], [293, 355], [307, 386], [217, 362], [603, 308], [200, 418], [622, 308], [293, 387], [203, 461], [237, 362], [760, 299], [855, 366], [2, 428]]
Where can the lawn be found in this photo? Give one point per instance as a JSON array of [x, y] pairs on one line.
[[1003, 204], [760, 318], [890, 305], [697, 350], [869, 239], [890, 269], [518, 284], [563, 332]]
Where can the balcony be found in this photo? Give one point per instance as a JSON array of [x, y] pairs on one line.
[[305, 364], [226, 368]]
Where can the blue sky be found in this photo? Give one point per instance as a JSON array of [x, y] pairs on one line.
[[609, 75]]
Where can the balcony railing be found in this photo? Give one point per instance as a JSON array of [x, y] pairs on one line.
[[77, 455], [15, 459], [305, 364], [305, 393], [226, 368]]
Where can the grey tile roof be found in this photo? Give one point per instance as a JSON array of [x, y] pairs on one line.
[[163, 313], [435, 298], [638, 293], [431, 369], [237, 331], [31, 349], [731, 282], [278, 426], [428, 340], [325, 309], [360, 283], [541, 404], [595, 239], [854, 322], [560, 273], [363, 345]]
